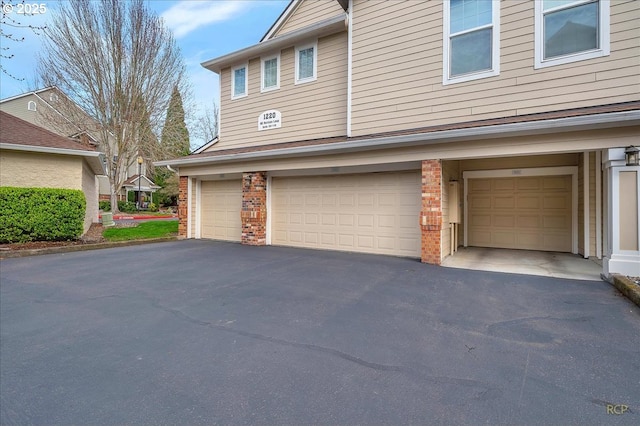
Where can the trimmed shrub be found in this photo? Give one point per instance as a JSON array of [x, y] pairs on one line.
[[40, 214], [126, 206], [131, 197], [152, 207], [105, 206]]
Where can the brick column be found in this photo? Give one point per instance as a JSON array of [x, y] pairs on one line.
[[182, 206], [254, 208], [431, 214]]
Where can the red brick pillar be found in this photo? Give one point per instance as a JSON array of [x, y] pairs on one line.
[[431, 215], [182, 206], [254, 208]]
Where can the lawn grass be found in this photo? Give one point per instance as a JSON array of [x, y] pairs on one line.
[[151, 229]]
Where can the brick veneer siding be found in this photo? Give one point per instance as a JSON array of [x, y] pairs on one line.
[[254, 208], [182, 206], [431, 211]]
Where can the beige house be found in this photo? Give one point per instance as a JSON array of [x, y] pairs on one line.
[[51, 109], [32, 157], [412, 128]]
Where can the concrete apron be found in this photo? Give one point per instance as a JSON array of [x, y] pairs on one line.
[[547, 264]]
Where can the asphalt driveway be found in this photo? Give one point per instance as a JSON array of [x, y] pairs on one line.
[[200, 332]]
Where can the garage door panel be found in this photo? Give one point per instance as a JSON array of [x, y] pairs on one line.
[[373, 213], [527, 202], [525, 212], [221, 202]]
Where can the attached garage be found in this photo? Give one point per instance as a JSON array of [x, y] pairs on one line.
[[369, 213], [531, 212], [221, 202]]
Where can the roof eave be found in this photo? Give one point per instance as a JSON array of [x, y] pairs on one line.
[[94, 158], [589, 122], [323, 28]]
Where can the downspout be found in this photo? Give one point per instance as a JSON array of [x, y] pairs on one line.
[[349, 66]]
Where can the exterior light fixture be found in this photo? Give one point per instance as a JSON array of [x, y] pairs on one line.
[[632, 155]]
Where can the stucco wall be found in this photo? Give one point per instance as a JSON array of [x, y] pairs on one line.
[[35, 170]]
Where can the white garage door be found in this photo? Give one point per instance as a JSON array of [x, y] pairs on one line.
[[371, 213], [531, 213], [221, 202]]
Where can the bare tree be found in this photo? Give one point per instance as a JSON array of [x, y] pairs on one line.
[[119, 64], [206, 124], [14, 16]]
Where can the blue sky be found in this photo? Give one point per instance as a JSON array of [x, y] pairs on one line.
[[202, 29]]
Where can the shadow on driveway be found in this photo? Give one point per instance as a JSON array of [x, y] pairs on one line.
[[202, 332]]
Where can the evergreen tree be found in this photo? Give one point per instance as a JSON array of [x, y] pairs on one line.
[[175, 135]]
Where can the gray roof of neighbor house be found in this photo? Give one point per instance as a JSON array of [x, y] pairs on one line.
[[17, 134]]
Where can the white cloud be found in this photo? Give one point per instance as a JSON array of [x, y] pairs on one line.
[[187, 16]]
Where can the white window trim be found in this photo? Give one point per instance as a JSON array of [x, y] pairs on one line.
[[32, 106], [495, 48], [315, 63], [233, 81], [604, 30], [262, 61]]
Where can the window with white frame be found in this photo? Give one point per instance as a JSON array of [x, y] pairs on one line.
[[31, 106], [471, 42], [306, 63], [270, 73], [570, 30], [239, 81]]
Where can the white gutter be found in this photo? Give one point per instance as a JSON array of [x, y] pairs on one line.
[[589, 122], [349, 67], [323, 28]]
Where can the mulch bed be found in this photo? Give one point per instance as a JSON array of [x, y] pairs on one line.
[[92, 236]]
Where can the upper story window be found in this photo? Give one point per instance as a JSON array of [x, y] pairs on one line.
[[471, 42], [570, 30], [306, 63], [270, 73], [239, 81], [31, 106]]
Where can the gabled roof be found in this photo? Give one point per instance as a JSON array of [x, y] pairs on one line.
[[17, 131], [22, 95], [205, 146], [287, 12], [133, 182], [45, 102], [19, 135], [319, 29]]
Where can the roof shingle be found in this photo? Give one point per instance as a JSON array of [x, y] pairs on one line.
[[13, 130]]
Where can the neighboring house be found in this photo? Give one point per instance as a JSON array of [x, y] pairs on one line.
[[411, 128], [53, 110], [142, 187], [32, 157]]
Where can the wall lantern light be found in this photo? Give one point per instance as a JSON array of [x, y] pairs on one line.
[[632, 155]]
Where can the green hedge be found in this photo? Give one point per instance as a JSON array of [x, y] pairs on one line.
[[40, 214]]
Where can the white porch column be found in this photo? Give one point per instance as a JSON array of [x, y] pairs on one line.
[[622, 254]]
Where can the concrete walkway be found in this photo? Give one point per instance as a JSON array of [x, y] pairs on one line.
[[545, 264]]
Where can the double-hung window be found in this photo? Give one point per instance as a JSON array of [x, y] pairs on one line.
[[306, 63], [570, 30], [239, 81], [471, 42], [270, 73]]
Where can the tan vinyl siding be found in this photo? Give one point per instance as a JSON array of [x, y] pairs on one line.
[[398, 67], [310, 110], [310, 12]]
